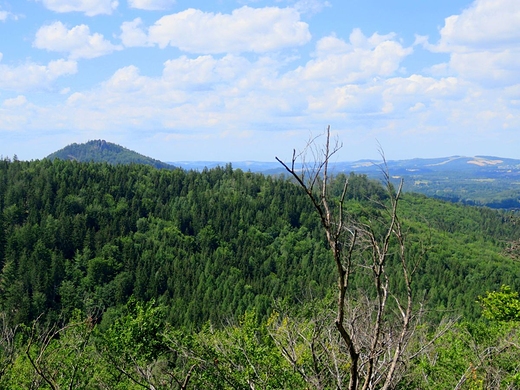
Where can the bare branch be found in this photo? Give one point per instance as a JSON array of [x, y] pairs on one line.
[[374, 348]]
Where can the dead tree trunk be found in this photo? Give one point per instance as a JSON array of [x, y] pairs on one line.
[[374, 353]]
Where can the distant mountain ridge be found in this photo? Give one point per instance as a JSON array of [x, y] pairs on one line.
[[469, 165], [103, 151], [480, 180], [475, 165]]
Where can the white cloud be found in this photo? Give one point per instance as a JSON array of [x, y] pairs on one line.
[[75, 98], [132, 34], [244, 30], [484, 42], [4, 15], [31, 76], [18, 101], [151, 5], [15, 118], [426, 87], [355, 85], [194, 93], [126, 80], [418, 94], [77, 41], [417, 107], [231, 93], [485, 25], [204, 71], [361, 59], [89, 7], [489, 68]]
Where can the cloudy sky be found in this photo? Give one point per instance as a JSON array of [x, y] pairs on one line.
[[234, 80]]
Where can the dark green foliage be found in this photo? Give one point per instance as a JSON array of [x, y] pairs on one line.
[[211, 245], [102, 151]]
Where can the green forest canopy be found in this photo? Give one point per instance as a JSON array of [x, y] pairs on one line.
[[211, 244], [209, 247]]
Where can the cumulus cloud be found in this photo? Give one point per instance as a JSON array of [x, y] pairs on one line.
[[489, 68], [126, 80], [151, 5], [233, 92], [221, 98], [485, 25], [133, 35], [217, 90], [88, 7], [196, 93], [206, 92], [361, 58], [31, 76], [204, 72], [246, 29], [483, 41], [78, 41]]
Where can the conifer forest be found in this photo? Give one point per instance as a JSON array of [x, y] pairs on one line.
[[133, 277]]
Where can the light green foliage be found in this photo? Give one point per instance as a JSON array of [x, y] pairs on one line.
[[54, 357], [482, 354], [245, 357], [476, 355], [502, 305], [307, 338], [137, 335], [134, 346]]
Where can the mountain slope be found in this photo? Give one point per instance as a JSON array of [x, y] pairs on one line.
[[210, 245], [480, 180], [103, 151]]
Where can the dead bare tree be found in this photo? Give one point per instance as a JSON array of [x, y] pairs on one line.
[[7, 343], [45, 351], [309, 345], [375, 340]]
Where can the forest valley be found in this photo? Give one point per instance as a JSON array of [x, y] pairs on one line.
[[133, 277]]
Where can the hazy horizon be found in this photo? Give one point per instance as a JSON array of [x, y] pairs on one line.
[[275, 162]]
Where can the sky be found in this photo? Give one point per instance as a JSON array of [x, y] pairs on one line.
[[248, 80]]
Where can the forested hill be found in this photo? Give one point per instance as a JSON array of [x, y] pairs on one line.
[[211, 244], [103, 151], [128, 276]]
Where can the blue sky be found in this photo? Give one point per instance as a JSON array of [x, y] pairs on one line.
[[253, 79]]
